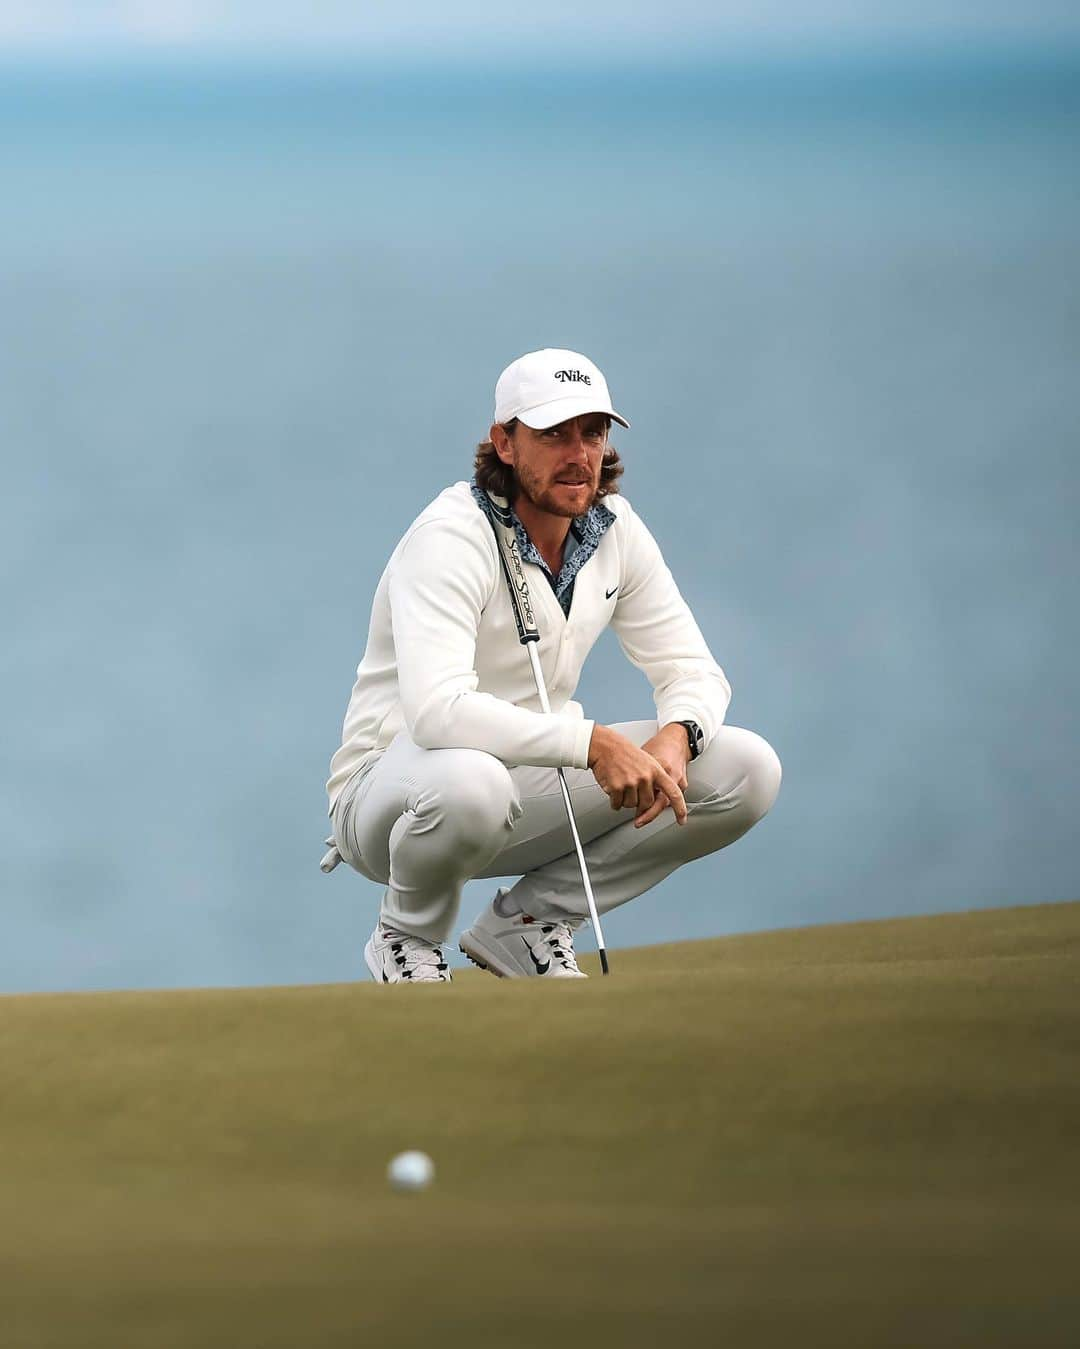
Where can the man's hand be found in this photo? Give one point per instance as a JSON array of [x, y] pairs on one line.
[[648, 778], [670, 747]]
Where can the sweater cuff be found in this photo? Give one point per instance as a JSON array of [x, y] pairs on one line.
[[576, 749]]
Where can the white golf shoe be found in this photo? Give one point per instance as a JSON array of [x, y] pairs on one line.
[[519, 947], [396, 958]]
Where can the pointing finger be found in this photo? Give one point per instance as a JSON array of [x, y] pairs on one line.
[[674, 795], [660, 803]]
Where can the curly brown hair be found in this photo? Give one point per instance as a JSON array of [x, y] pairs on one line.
[[492, 475]]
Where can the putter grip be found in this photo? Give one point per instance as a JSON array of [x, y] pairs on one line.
[[513, 572]]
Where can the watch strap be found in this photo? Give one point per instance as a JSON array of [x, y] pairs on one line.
[[695, 736]]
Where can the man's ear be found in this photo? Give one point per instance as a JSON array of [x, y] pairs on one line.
[[501, 440]]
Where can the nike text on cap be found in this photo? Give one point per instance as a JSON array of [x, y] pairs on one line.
[[551, 386]]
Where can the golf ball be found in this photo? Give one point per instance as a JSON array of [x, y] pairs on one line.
[[411, 1171]]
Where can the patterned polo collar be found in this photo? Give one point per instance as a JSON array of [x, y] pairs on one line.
[[582, 541]]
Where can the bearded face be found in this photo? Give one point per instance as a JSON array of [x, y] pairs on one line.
[[558, 469], [566, 497]]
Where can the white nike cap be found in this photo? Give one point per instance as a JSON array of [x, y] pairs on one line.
[[551, 386]]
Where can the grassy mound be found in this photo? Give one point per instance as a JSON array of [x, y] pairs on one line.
[[861, 1135]]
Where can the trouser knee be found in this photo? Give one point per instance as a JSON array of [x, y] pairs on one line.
[[484, 803], [745, 776], [763, 776], [471, 810]]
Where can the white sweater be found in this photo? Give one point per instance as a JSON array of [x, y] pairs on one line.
[[443, 660]]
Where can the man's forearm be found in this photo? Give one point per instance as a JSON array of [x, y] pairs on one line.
[[513, 734], [672, 736]]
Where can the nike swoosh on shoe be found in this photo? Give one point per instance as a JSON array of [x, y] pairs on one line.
[[540, 969]]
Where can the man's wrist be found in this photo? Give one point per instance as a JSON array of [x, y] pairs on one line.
[[689, 734], [675, 731], [596, 740]]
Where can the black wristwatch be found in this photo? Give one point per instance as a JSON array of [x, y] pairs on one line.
[[696, 737]]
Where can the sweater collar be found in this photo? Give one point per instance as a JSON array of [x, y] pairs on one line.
[[582, 541]]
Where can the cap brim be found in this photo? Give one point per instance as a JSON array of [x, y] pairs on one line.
[[562, 409]]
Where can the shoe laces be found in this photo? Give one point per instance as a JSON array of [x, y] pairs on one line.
[[417, 960], [560, 940]]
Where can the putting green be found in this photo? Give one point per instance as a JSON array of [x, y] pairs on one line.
[[863, 1135]]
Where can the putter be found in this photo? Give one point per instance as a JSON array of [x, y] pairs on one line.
[[510, 555]]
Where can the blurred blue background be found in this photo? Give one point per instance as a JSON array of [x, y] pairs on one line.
[[259, 270]]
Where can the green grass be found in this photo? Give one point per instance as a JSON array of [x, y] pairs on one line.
[[862, 1135]]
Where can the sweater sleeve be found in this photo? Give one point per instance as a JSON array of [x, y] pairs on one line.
[[658, 634], [435, 610]]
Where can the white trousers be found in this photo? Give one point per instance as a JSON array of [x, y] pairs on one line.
[[422, 822]]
